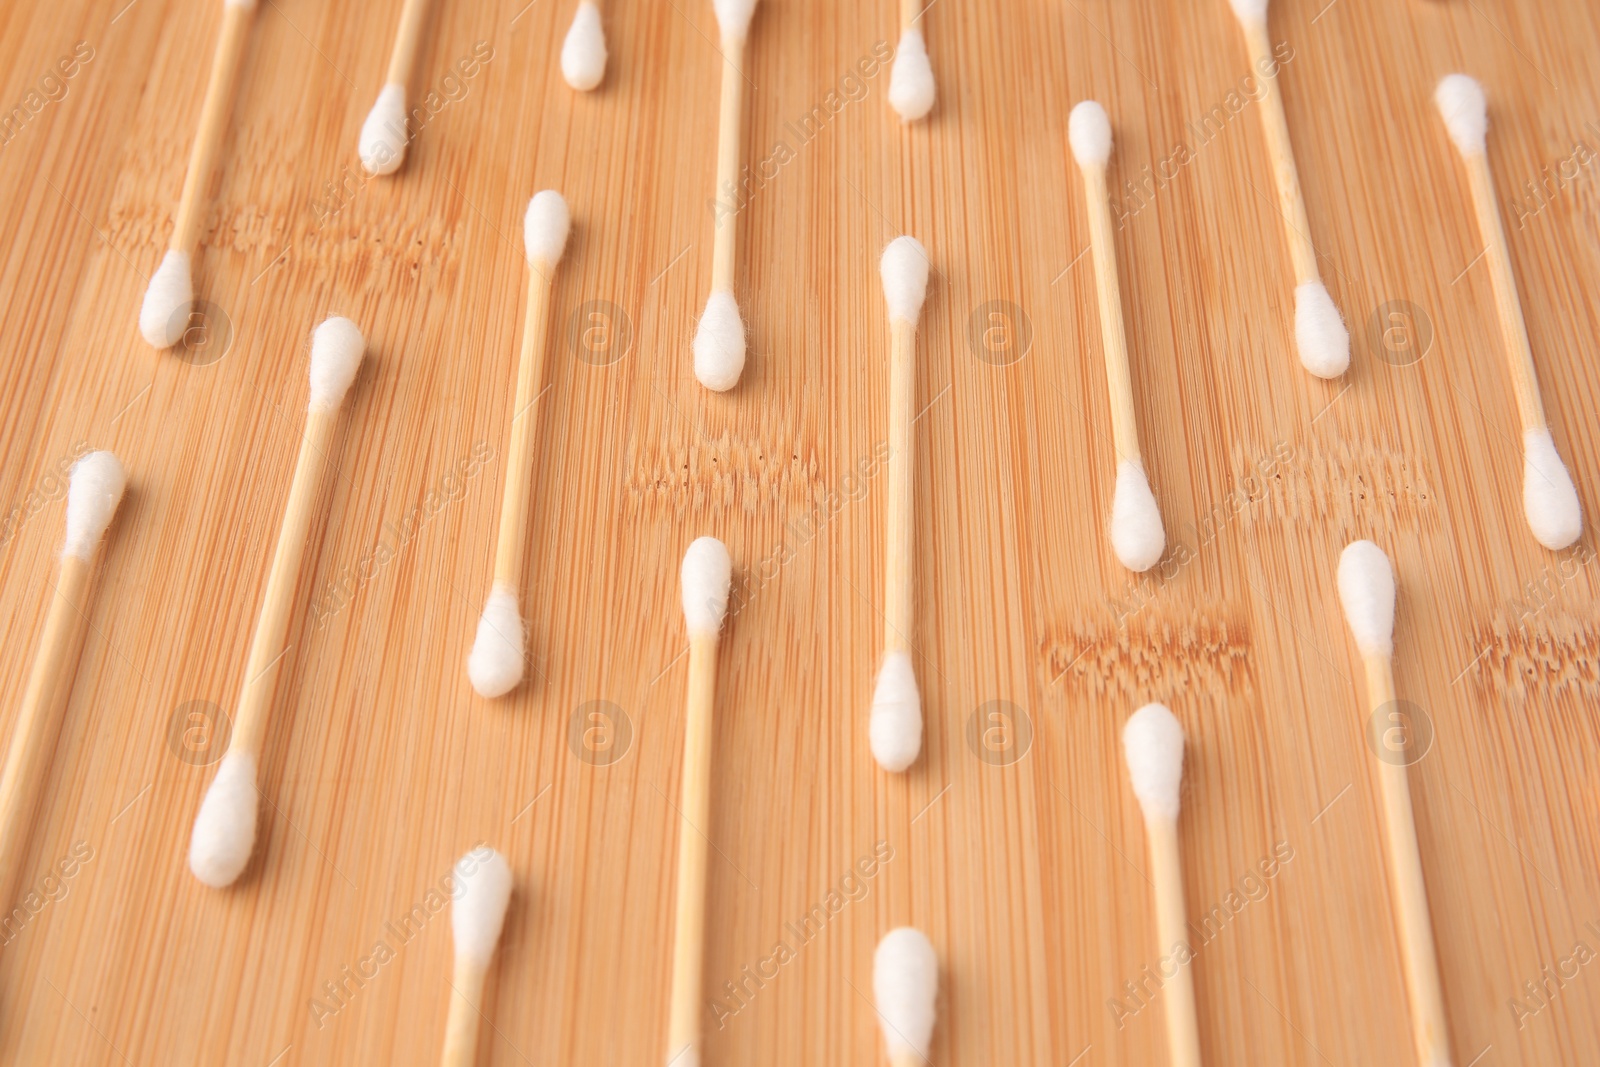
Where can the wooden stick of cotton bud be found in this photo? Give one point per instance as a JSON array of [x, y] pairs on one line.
[[911, 85], [383, 136], [164, 316], [498, 650], [895, 726], [1152, 743], [1320, 335], [225, 829], [1366, 592], [1549, 499], [706, 578], [92, 496], [719, 341]]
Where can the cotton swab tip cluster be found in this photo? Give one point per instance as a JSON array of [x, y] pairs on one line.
[[904, 269], [905, 987], [336, 350], [707, 577], [92, 496], [383, 135], [164, 317], [895, 728], [498, 652], [1320, 335], [225, 830], [1366, 589], [1137, 535], [583, 53], [1549, 499], [1089, 134], [545, 227], [733, 17], [719, 343], [1465, 111], [483, 890], [1249, 11], [1152, 743], [911, 89]]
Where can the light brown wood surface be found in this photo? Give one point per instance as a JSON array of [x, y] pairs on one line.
[[1028, 876]]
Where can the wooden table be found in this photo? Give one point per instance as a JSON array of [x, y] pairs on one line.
[[1015, 841]]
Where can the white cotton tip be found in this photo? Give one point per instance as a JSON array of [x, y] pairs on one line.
[[1549, 498], [1465, 111], [1089, 134], [1249, 10], [1152, 743], [92, 497], [904, 269], [1137, 535], [1366, 589], [895, 729], [383, 135], [248, 5], [165, 314], [545, 228], [495, 665], [1319, 331], [733, 17], [225, 829], [905, 988], [706, 576], [483, 889], [583, 53], [719, 343], [336, 350], [911, 88]]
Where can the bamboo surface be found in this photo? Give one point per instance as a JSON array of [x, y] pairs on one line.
[[1015, 841]]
